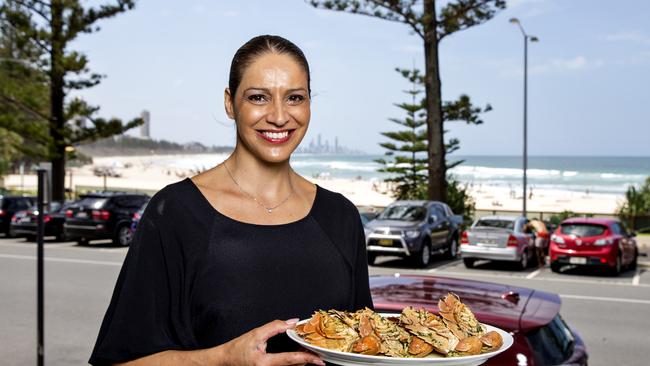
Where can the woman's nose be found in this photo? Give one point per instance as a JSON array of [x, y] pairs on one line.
[[278, 114]]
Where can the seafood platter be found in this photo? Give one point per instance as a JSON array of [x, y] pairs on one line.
[[414, 337]]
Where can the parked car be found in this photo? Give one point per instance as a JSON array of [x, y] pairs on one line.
[[414, 229], [541, 336], [105, 215], [23, 223], [135, 220], [501, 238], [593, 242], [9, 205]]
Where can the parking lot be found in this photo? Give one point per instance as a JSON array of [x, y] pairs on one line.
[[612, 314]]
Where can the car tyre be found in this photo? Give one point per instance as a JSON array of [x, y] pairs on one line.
[[453, 250], [123, 236], [30, 238], [633, 264], [555, 267], [617, 269], [523, 261], [371, 258], [422, 258], [469, 262], [82, 241]]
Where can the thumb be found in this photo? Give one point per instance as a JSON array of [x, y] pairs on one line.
[[273, 328]]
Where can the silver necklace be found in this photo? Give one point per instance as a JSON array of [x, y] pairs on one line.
[[268, 209]]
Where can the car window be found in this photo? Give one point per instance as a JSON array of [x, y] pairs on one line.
[[364, 220], [439, 211], [496, 223], [93, 202], [448, 211], [582, 230], [622, 228], [552, 344], [404, 212]]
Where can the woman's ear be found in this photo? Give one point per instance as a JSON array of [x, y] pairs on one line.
[[228, 102]]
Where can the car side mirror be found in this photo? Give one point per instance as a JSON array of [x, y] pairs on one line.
[[432, 219], [633, 234]]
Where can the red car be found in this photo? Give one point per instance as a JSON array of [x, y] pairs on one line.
[[541, 337], [593, 242]]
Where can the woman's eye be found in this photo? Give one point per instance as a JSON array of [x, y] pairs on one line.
[[296, 98], [257, 98]]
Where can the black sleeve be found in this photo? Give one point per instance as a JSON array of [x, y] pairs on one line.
[[146, 315], [362, 293]]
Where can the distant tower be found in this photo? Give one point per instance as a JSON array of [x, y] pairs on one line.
[[336, 145], [319, 145], [145, 132]]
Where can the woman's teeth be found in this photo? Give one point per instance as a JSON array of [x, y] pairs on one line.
[[276, 135]]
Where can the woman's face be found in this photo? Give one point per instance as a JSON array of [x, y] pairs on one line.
[[271, 107]]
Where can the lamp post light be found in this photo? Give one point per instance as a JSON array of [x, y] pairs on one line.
[[527, 38]]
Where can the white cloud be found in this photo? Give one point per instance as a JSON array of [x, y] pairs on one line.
[[628, 36], [556, 65]]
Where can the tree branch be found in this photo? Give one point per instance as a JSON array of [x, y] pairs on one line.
[[10, 100], [34, 9], [400, 12]]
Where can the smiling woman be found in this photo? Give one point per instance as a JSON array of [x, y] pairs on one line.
[[217, 259]]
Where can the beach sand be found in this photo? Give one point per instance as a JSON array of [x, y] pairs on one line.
[[153, 172]]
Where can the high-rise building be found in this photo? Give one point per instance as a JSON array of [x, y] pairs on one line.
[[318, 145], [336, 145], [145, 131]]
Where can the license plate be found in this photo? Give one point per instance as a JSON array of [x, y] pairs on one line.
[[578, 260], [24, 220], [386, 242], [82, 214]]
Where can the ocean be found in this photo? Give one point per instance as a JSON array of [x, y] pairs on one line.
[[610, 175]]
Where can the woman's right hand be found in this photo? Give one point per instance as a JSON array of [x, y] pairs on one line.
[[250, 348]]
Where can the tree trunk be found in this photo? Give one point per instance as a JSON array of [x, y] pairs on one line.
[[57, 95], [437, 169]]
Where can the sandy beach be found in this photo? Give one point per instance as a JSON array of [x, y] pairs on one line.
[[152, 172]]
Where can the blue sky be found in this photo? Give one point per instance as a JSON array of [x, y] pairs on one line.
[[589, 76]]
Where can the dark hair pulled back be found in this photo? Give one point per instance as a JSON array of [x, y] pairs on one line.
[[258, 46]]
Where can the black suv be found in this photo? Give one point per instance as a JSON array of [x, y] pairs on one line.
[[105, 215], [414, 229], [9, 205]]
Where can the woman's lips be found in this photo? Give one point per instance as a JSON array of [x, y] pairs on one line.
[[274, 136]]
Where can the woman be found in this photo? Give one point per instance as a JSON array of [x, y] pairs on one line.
[[217, 259]]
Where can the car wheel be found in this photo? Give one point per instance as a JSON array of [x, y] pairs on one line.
[[82, 241], [523, 261], [469, 262], [371, 258], [9, 234], [30, 237], [60, 237], [123, 237], [423, 257], [453, 248], [555, 267], [632, 265]]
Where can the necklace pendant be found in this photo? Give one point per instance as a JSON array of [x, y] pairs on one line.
[[269, 210]]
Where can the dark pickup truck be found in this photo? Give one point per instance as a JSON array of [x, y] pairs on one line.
[[414, 229]]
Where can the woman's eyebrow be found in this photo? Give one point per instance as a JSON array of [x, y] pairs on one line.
[[267, 90]]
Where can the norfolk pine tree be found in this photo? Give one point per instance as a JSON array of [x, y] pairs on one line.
[[50, 26], [423, 19]]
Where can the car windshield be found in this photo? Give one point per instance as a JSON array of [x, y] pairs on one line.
[[92, 202], [404, 213], [496, 223], [582, 230]]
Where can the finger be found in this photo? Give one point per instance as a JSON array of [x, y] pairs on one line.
[[273, 328], [293, 358]]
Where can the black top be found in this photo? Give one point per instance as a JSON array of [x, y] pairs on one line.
[[195, 278]]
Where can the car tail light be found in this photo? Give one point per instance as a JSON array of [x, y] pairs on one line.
[[463, 238], [512, 241], [136, 216], [14, 218], [604, 241], [603, 260], [102, 215], [557, 239], [2, 213], [47, 218], [68, 213]]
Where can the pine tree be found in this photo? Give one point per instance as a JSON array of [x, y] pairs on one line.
[[432, 25], [45, 31]]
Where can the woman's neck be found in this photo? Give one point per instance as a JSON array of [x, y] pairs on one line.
[[266, 181]]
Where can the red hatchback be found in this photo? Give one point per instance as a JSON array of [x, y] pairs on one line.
[[541, 337], [593, 242]]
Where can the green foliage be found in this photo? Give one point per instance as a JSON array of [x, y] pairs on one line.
[[636, 204], [566, 214], [39, 69], [459, 199]]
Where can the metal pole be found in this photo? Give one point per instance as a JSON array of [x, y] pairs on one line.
[[525, 120], [39, 266]]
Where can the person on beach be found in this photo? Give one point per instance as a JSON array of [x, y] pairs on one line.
[[221, 260]]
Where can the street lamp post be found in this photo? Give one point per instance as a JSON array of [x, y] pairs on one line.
[[527, 38]]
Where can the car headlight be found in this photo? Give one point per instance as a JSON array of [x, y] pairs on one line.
[[411, 234]]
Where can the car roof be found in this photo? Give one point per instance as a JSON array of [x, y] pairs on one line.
[[415, 203], [508, 307], [590, 220], [504, 218], [109, 194]]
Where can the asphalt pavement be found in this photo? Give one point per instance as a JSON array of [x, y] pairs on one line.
[[612, 314]]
